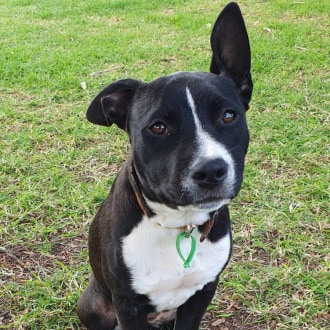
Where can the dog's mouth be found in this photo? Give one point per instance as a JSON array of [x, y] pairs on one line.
[[207, 199], [210, 203], [197, 199]]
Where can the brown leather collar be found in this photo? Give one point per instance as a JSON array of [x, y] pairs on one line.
[[138, 195], [146, 210]]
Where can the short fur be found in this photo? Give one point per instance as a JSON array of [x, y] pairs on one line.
[[189, 137]]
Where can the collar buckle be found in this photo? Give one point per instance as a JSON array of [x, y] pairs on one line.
[[189, 229]]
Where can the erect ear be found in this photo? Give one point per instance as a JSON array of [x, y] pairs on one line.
[[111, 105], [231, 50]]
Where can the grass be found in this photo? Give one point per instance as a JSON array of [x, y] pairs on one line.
[[56, 168]]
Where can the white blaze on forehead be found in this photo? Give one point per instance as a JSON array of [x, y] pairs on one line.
[[209, 148]]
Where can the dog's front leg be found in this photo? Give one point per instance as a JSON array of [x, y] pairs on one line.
[[131, 315], [190, 314]]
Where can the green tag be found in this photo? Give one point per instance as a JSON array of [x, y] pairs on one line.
[[186, 261]]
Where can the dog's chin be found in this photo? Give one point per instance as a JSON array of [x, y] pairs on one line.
[[194, 202], [208, 204]]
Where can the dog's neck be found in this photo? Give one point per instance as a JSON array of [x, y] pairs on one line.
[[135, 183], [148, 212]]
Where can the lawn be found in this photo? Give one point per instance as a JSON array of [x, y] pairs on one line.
[[56, 168]]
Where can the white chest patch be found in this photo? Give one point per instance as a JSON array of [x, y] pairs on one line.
[[157, 271]]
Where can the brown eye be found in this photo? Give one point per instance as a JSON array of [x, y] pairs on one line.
[[228, 116], [158, 128]]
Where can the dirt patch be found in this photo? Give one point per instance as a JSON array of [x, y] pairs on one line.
[[17, 263], [20, 262]]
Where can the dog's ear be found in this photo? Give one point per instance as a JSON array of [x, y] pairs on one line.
[[111, 105], [231, 50]]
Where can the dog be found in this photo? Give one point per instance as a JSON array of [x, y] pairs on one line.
[[162, 236]]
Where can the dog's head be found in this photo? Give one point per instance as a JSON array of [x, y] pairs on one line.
[[188, 130]]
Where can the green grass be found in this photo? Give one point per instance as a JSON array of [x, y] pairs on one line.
[[56, 168]]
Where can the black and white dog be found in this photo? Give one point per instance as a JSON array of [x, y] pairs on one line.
[[162, 237]]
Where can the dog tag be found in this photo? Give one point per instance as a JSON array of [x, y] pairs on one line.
[[186, 261]]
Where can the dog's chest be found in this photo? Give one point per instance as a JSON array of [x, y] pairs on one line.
[[157, 271]]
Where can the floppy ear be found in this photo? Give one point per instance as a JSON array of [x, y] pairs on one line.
[[111, 105], [231, 50]]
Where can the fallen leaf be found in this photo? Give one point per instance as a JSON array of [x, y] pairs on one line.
[[218, 322]]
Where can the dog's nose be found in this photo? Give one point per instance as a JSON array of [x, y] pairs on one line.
[[210, 172]]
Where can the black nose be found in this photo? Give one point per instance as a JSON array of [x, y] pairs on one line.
[[210, 172]]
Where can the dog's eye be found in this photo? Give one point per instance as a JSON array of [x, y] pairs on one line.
[[158, 128], [228, 116]]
